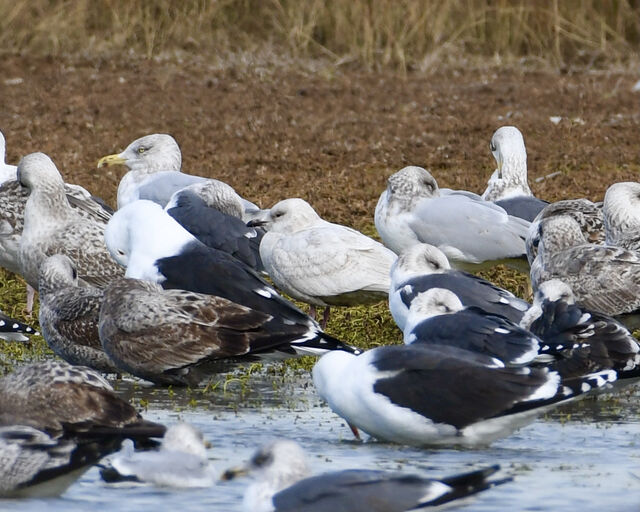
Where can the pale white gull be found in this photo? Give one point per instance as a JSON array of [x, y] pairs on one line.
[[154, 163], [282, 483], [52, 226], [180, 462], [7, 171], [621, 212], [470, 231], [154, 247], [423, 266], [415, 394], [508, 186], [69, 315], [321, 263]]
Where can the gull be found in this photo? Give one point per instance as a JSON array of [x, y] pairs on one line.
[[587, 214], [283, 483], [52, 226], [35, 464], [621, 217], [437, 316], [7, 171], [154, 247], [154, 163], [12, 330], [470, 231], [321, 263], [69, 315], [434, 395], [603, 278], [180, 462], [213, 215], [423, 266]]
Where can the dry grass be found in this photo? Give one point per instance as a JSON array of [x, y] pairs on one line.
[[400, 34]]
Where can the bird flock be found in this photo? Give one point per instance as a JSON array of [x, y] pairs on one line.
[[183, 281]]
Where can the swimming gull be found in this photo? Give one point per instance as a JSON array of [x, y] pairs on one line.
[[621, 217], [71, 401], [437, 316], [7, 171], [470, 231], [321, 263], [603, 278], [582, 341], [180, 462], [216, 228], [282, 483], [154, 163], [52, 226], [424, 266], [34, 464], [154, 247], [423, 394], [12, 330], [69, 315], [586, 213], [508, 185]]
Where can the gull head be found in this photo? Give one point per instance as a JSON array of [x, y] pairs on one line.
[[36, 170], [142, 232], [215, 194], [434, 302], [183, 437], [418, 260], [148, 154], [287, 216], [554, 290], [507, 147], [559, 233], [411, 184], [56, 272]]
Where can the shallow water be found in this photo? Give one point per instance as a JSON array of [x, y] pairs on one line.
[[583, 456]]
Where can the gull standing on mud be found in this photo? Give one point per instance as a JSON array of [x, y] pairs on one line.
[[603, 278], [154, 163], [283, 484], [472, 233], [180, 462], [321, 263], [69, 315], [423, 266], [508, 186], [52, 226]]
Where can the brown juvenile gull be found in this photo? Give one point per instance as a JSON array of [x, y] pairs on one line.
[[154, 163], [73, 402], [586, 213], [621, 211], [603, 278], [180, 337], [508, 185], [473, 233], [69, 315], [321, 263], [34, 464], [52, 226], [283, 483]]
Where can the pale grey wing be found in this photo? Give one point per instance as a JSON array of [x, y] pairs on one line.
[[160, 186], [465, 193], [350, 490], [606, 279], [330, 261], [161, 466], [476, 231], [87, 205]]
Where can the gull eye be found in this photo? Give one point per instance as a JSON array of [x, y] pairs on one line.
[[121, 252], [141, 150], [492, 147], [261, 459]]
